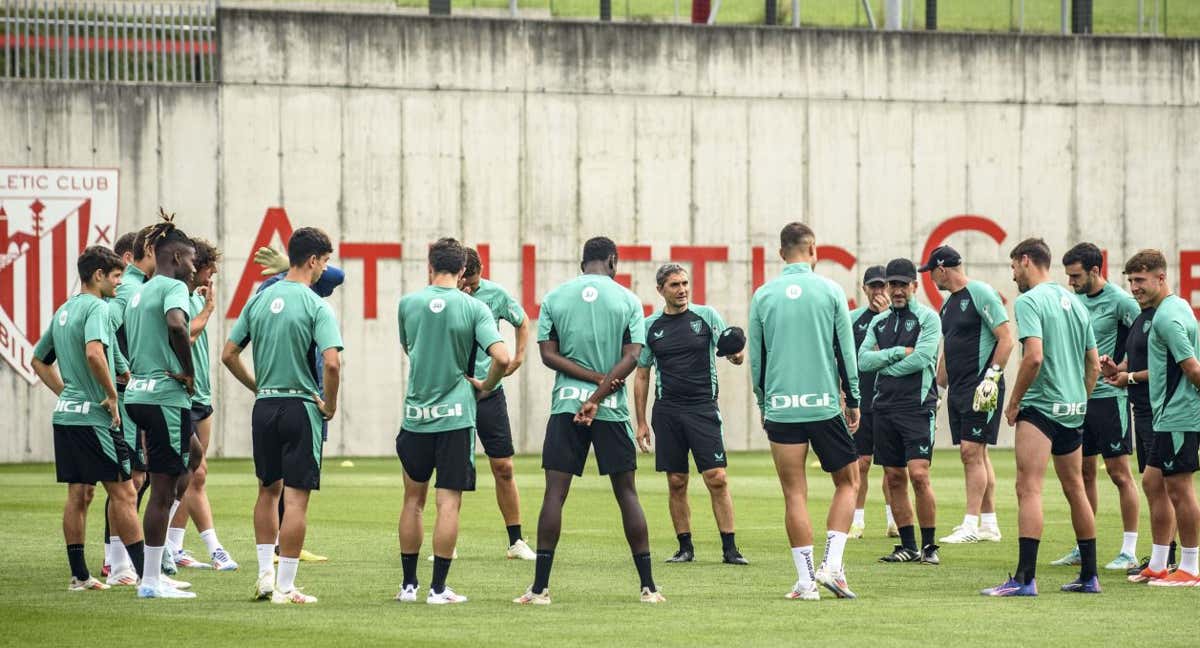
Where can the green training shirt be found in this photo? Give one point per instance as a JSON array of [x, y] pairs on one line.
[[801, 347], [1053, 314], [592, 318], [1112, 312], [1174, 400], [502, 307], [289, 325], [151, 355], [84, 318], [132, 281], [443, 331], [203, 366]]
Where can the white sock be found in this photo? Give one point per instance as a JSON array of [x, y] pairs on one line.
[[890, 520], [1129, 543], [286, 581], [835, 546], [988, 520], [120, 558], [1158, 557], [108, 553], [174, 509], [266, 558], [210, 540], [971, 521], [175, 539], [860, 517], [1189, 557], [153, 566], [803, 559]]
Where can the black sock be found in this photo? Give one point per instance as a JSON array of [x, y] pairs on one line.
[[1027, 560], [685, 542], [107, 533], [908, 537], [408, 562], [514, 533], [1171, 554], [137, 552], [441, 567], [727, 543], [541, 572], [78, 565], [1087, 558], [928, 535], [642, 562]]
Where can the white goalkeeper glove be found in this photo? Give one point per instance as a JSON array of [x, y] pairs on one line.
[[988, 391]]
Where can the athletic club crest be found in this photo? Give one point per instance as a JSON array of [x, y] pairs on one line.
[[696, 327], [964, 304], [910, 325], [47, 217]]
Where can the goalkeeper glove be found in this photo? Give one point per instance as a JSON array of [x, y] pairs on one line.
[[272, 261], [988, 391]]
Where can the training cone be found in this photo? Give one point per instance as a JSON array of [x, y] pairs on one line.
[[347, 464]]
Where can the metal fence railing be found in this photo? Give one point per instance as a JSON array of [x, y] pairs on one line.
[[126, 42]]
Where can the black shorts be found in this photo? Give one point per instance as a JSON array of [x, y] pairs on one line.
[[1106, 428], [566, 446], [1063, 440], [1143, 430], [864, 436], [450, 453], [132, 435], [830, 440], [977, 427], [86, 454], [200, 412], [1175, 453], [901, 437], [677, 431], [286, 433], [491, 425], [168, 433]]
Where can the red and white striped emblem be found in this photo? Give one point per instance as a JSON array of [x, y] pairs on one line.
[[47, 217]]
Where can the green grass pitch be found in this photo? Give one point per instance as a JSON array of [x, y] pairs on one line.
[[594, 585]]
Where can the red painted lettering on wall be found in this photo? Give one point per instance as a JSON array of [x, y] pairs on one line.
[[1189, 283], [529, 281], [275, 222], [699, 256], [629, 253], [963, 223], [370, 253]]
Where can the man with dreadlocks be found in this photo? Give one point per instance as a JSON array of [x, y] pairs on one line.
[[158, 397]]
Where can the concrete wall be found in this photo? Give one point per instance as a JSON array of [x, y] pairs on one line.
[[401, 130]]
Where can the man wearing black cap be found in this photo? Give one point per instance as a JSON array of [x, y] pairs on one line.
[[902, 347], [875, 288], [978, 342], [684, 340]]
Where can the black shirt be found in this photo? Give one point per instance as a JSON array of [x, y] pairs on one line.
[[683, 347], [1136, 354], [861, 321]]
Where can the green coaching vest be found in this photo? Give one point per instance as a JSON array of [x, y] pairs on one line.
[[287, 324], [1052, 313], [1173, 339], [84, 318], [801, 347], [592, 317], [443, 331], [151, 355]]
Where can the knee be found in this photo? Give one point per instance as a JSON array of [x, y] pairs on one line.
[[89, 494], [970, 456], [864, 465], [920, 481], [678, 483], [1027, 489], [715, 480], [200, 477], [895, 479], [502, 470]]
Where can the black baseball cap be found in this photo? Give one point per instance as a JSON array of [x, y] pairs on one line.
[[942, 257], [732, 340], [901, 270], [874, 274]]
